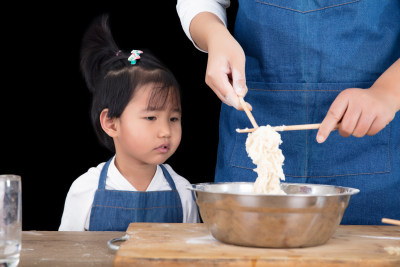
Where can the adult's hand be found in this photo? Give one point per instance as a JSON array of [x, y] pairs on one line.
[[225, 73], [364, 111]]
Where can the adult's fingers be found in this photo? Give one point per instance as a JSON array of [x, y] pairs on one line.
[[363, 124], [239, 86], [222, 87], [239, 81], [334, 115], [349, 121], [378, 124]]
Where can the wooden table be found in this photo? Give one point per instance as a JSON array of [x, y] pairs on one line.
[[166, 244], [171, 244], [41, 248]]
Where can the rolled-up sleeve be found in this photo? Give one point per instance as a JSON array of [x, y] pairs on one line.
[[188, 9]]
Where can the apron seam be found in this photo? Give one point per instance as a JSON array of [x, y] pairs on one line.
[[306, 134], [113, 207], [179, 200], [134, 192], [311, 176], [327, 176], [308, 11], [236, 140], [93, 209], [92, 214], [388, 146], [270, 90]]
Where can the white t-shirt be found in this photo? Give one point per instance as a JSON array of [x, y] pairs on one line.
[[78, 204], [188, 9]]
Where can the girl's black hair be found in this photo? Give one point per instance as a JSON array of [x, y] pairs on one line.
[[113, 81]]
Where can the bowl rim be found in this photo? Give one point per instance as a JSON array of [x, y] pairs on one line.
[[349, 190]]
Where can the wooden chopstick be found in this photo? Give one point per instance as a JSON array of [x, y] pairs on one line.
[[246, 109], [391, 221], [288, 128]]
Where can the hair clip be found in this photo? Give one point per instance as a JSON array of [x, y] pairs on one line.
[[135, 55], [117, 54]]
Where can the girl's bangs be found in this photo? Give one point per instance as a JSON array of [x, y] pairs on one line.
[[163, 96]]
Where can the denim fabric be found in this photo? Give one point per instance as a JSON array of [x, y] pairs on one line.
[[320, 41], [114, 210], [299, 56]]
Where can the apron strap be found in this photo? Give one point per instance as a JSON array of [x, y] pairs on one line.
[[168, 177], [103, 175], [173, 187]]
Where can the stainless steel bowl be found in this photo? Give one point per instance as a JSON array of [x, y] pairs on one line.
[[307, 216]]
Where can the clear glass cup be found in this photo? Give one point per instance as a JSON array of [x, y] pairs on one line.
[[11, 219]]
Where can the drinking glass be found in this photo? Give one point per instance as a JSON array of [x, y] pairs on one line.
[[11, 219]]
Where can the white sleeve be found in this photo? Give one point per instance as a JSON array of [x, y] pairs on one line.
[[79, 200], [189, 206], [188, 9]]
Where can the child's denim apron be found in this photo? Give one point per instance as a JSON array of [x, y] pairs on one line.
[[114, 210], [299, 56]]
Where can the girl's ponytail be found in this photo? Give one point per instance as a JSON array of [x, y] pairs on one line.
[[99, 53]]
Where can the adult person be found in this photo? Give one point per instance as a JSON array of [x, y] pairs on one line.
[[300, 62]]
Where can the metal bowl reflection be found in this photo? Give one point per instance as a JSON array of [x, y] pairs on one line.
[[306, 216]]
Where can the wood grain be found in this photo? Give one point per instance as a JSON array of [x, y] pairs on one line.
[[153, 244], [59, 249]]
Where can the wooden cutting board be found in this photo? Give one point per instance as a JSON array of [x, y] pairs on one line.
[[177, 244]]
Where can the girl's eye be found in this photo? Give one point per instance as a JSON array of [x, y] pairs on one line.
[[151, 118], [174, 119]]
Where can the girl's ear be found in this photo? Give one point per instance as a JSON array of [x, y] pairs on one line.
[[108, 124]]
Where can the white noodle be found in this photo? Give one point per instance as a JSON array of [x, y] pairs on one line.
[[262, 146]]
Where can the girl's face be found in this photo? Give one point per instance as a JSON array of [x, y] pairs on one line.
[[148, 136]]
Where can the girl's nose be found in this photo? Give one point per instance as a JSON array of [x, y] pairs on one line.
[[164, 130]]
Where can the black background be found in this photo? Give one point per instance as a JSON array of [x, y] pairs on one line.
[[46, 134]]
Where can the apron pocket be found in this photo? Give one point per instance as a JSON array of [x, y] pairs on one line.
[[288, 104], [344, 155]]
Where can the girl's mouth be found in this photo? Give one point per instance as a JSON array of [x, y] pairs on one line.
[[164, 148]]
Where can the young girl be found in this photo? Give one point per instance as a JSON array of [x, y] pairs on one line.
[[136, 113]]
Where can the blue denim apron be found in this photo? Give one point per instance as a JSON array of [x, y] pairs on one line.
[[114, 210], [299, 56]]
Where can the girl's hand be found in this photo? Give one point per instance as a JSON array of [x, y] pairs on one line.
[[360, 112]]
